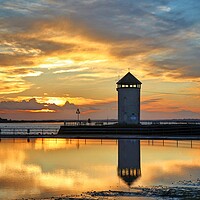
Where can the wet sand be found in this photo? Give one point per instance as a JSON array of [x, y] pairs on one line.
[[141, 193]]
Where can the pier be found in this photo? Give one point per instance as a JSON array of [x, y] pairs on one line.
[[109, 129], [142, 122], [114, 131]]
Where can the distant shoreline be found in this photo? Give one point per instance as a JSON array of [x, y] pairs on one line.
[[155, 121], [31, 121]]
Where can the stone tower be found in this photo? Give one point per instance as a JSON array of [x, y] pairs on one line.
[[128, 99]]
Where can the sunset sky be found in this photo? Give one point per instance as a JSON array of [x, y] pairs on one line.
[[60, 55]]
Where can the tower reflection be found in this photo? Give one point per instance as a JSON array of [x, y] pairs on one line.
[[129, 160]]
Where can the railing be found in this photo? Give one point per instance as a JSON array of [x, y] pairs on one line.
[[86, 123], [172, 143], [28, 131], [161, 143], [174, 121], [143, 122]]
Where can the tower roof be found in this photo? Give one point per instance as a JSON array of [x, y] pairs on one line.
[[129, 79]]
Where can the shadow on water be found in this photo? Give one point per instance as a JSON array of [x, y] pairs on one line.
[[129, 169]]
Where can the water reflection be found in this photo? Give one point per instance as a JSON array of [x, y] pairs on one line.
[[50, 167], [129, 160]]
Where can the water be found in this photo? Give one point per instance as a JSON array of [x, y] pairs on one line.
[[44, 168]]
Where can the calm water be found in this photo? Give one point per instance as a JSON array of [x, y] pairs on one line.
[[40, 168]]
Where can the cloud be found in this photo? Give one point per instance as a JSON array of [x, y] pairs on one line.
[[9, 85], [151, 101], [71, 70], [32, 104], [182, 114], [15, 60], [126, 34], [12, 79], [164, 8], [24, 105], [80, 47], [31, 45], [37, 109]]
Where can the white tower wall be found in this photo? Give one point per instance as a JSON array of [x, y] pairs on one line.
[[129, 105]]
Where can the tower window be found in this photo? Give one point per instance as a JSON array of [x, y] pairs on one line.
[[128, 86]]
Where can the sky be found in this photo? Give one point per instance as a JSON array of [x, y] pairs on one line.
[[60, 55]]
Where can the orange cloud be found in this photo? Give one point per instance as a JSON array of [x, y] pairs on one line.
[[66, 54]]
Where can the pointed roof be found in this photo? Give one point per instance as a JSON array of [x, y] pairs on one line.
[[129, 79]]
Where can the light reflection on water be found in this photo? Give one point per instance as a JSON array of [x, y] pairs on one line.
[[50, 167]]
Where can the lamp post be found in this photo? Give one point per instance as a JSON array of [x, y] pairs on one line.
[[78, 113]]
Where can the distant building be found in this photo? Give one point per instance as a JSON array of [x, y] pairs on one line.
[[129, 99], [129, 160]]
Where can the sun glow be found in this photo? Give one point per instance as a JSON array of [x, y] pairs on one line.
[[59, 101], [55, 62], [44, 110]]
